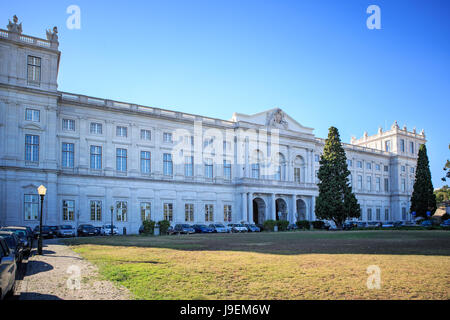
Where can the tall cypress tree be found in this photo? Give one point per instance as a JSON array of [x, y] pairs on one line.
[[423, 198], [336, 201]]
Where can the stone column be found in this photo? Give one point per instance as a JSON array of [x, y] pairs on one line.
[[250, 207], [292, 210], [273, 207], [244, 206]]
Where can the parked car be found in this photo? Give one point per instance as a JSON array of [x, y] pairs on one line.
[[201, 228], [426, 223], [85, 230], [183, 229], [374, 224], [446, 224], [219, 228], [24, 236], [252, 227], [237, 227], [99, 231], [8, 268], [55, 231], [389, 224], [349, 225], [46, 232], [107, 228], [170, 231], [361, 225], [66, 230], [14, 244]]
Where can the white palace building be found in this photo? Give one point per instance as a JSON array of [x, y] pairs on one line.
[[95, 155]]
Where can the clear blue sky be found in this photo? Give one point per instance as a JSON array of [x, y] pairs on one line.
[[314, 59]]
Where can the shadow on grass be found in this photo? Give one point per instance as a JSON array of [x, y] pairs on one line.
[[291, 243]]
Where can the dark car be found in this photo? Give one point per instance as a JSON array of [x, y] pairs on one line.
[[55, 230], [170, 231], [24, 236], [14, 244], [86, 230], [46, 232], [426, 223], [8, 268], [202, 228], [252, 227], [100, 231], [349, 225], [183, 228]]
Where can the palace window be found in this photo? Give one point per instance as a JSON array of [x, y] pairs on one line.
[[121, 211], [360, 182], [297, 175], [208, 168], [369, 183], [32, 115], [378, 183], [227, 213], [209, 213], [121, 159], [377, 167], [96, 157], [68, 124], [255, 170], [31, 206], [67, 155], [403, 213], [386, 168], [68, 207], [359, 164], [403, 185], [403, 168], [31, 148], [411, 169], [34, 71], [386, 185], [145, 162], [317, 158], [387, 145], [349, 163], [96, 128], [378, 214], [146, 211], [411, 147], [167, 164], [167, 137], [402, 145], [96, 210], [369, 166], [369, 214], [227, 169], [386, 214], [121, 131], [168, 212], [189, 166], [189, 212], [146, 134]]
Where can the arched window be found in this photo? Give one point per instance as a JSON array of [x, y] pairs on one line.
[[299, 169]]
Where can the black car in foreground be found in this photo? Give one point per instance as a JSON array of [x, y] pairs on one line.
[[24, 235], [14, 244], [85, 230]]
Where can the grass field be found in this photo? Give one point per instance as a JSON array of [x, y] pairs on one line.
[[284, 265]]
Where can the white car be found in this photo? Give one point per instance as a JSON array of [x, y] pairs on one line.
[[237, 227], [107, 228], [219, 228]]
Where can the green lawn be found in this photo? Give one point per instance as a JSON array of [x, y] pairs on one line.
[[283, 265]]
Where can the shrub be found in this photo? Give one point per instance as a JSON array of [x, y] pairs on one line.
[[318, 224], [303, 224], [149, 226], [282, 225], [445, 216], [269, 224], [163, 226]]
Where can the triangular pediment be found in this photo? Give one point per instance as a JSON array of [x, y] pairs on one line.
[[273, 118]]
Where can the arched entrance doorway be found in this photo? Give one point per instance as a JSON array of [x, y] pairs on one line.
[[281, 209], [301, 210], [259, 211]]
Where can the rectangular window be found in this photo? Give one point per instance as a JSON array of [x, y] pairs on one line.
[[411, 169], [189, 166], [168, 211], [349, 163], [359, 164], [369, 214], [68, 124], [386, 168], [209, 168], [403, 213], [377, 167], [68, 207], [369, 183], [403, 168], [121, 210], [317, 158], [369, 166], [386, 185], [145, 162], [360, 183], [121, 131], [67, 155], [227, 169], [146, 211], [378, 184], [411, 147], [146, 135], [189, 212], [378, 213], [32, 115], [121, 159], [96, 157], [227, 213], [387, 145], [167, 137], [297, 175], [209, 213], [402, 145], [167, 164], [96, 210], [34, 71], [189, 140], [31, 207], [350, 180], [403, 185], [96, 128], [255, 170], [31, 148], [386, 214]]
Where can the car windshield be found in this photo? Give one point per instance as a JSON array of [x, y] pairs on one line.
[[10, 241], [219, 226], [66, 227]]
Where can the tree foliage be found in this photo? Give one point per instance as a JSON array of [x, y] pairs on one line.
[[423, 198], [336, 201], [447, 169], [442, 194]]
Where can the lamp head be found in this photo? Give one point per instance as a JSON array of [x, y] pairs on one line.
[[42, 190]]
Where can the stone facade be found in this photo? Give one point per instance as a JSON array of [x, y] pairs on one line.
[[97, 155]]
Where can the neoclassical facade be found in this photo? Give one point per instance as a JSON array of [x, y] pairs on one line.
[[100, 158]]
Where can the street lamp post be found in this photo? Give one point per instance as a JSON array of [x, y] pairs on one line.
[[41, 190], [112, 212]]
